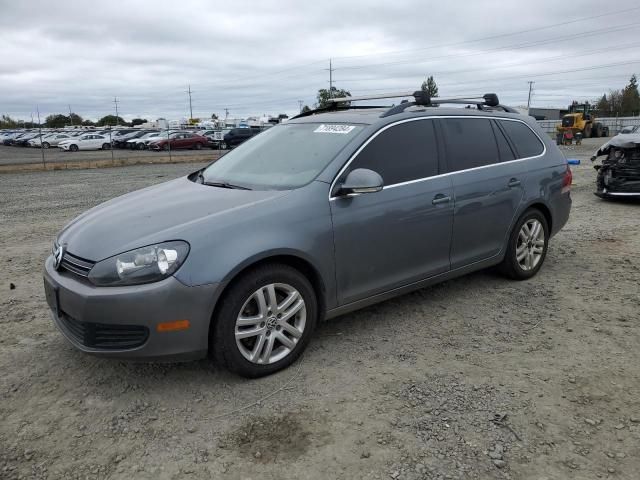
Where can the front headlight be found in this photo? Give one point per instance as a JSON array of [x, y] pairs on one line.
[[142, 265]]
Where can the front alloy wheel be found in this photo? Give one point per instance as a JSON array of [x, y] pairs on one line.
[[270, 323], [264, 320]]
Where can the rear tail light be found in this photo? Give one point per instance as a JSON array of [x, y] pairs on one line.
[[566, 181]]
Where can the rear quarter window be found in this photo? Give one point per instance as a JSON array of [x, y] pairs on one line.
[[470, 143], [522, 137]]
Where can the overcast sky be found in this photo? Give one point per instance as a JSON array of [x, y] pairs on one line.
[[263, 57]]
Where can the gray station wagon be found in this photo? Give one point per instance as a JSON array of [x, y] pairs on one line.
[[337, 209]]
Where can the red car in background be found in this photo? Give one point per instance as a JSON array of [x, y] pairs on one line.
[[180, 140]]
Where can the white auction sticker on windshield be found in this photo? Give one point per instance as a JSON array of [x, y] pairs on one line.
[[342, 129]]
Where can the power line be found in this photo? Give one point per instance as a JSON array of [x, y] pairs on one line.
[[492, 37], [496, 49]]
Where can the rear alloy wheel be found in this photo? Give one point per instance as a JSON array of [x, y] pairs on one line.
[[73, 147], [223, 146], [45, 145], [527, 246], [198, 146], [140, 146], [106, 146], [265, 321]]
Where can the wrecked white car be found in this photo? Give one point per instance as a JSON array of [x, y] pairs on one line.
[[619, 173]]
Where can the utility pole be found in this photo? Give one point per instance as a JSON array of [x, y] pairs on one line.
[[330, 79], [226, 115], [70, 115], [40, 135], [190, 107], [529, 99], [115, 100], [300, 102]]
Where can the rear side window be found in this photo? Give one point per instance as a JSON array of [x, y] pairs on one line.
[[470, 143], [403, 152], [506, 154], [525, 141]]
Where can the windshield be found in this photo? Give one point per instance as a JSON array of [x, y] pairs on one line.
[[281, 158]]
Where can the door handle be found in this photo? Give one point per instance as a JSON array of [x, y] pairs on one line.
[[514, 182], [440, 198]]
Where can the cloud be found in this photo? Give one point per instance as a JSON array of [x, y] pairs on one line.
[[262, 57]]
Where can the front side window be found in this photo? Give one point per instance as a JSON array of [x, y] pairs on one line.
[[401, 153], [470, 143], [284, 157], [526, 142]]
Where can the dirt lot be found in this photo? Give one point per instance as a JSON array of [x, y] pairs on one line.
[[406, 389]]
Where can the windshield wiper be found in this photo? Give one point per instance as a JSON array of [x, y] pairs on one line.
[[225, 185]]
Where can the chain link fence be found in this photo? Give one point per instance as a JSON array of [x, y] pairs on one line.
[[37, 149]]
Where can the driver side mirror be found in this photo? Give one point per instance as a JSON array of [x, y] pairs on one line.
[[359, 181]]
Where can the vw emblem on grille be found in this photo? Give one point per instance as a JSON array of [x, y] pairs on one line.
[[57, 256]]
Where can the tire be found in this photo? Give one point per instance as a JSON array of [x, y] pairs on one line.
[[45, 145], [587, 131], [165, 147], [223, 146], [140, 146], [73, 148], [242, 296], [598, 131], [198, 146], [511, 266], [106, 146]]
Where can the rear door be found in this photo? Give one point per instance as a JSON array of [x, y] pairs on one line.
[[487, 187], [399, 235]]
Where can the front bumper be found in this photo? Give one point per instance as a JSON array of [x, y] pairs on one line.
[[81, 311]]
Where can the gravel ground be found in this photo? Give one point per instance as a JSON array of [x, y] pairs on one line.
[[476, 378]]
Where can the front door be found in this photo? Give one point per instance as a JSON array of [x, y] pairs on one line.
[[400, 235]]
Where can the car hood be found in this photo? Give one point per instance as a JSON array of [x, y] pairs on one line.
[[167, 211], [622, 140]]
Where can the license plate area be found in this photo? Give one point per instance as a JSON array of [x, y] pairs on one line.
[[51, 294]]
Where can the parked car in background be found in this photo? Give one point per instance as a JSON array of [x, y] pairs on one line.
[[236, 136], [51, 140], [120, 139], [90, 141], [162, 135], [138, 141], [179, 141], [23, 140], [630, 129], [619, 172]]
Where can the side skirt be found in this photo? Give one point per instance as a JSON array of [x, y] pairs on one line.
[[442, 277]]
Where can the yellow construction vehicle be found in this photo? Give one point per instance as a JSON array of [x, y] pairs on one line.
[[580, 123]]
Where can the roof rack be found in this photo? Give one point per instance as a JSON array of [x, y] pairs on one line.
[[487, 102]]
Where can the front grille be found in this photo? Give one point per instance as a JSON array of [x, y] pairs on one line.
[[76, 265], [105, 336]]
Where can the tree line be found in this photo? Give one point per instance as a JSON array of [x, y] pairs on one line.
[[59, 120], [620, 103]]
